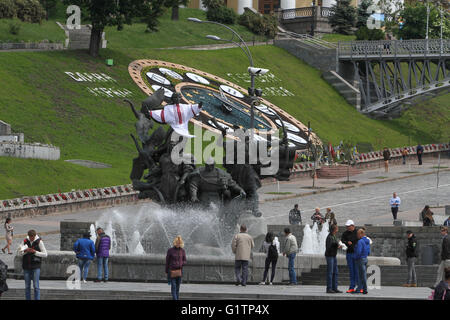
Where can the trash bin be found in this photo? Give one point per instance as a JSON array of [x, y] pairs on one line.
[[427, 255]]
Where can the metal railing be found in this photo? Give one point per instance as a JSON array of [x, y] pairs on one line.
[[393, 48], [297, 13], [313, 41], [325, 12], [305, 12]]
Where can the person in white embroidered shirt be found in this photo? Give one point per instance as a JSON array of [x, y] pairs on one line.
[[177, 115], [395, 204], [32, 251]]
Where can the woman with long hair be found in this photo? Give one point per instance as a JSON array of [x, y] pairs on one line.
[[9, 235], [272, 249], [175, 260]]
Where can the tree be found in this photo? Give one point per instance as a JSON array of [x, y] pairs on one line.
[[175, 5], [102, 13], [48, 5], [415, 23], [363, 13], [391, 10], [343, 17], [348, 146]]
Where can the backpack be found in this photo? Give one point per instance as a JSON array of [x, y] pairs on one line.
[[272, 252]]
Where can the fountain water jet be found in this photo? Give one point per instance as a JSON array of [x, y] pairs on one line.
[[151, 229]]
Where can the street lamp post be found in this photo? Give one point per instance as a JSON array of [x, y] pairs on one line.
[[252, 92]]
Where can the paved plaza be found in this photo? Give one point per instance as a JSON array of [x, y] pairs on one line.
[[133, 290], [366, 202]]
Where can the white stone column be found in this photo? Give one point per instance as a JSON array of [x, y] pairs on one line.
[[328, 3], [201, 6], [287, 4], [242, 4]]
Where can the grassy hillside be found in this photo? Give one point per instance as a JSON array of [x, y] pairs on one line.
[[37, 98]]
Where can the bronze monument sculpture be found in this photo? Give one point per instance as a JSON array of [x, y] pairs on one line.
[[233, 190]]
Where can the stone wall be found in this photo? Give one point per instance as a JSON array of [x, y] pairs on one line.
[[5, 128], [322, 59], [31, 46], [387, 241], [28, 150], [72, 207], [200, 269], [71, 232]]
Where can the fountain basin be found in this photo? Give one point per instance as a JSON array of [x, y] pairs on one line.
[[199, 269]]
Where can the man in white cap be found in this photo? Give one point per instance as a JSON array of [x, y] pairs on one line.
[[350, 238]]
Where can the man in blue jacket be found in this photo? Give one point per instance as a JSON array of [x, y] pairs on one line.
[[362, 250], [85, 251]]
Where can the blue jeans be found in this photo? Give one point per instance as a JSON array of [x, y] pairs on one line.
[[28, 275], [241, 271], [102, 264], [175, 284], [84, 264], [332, 273], [362, 274], [352, 270], [292, 275]]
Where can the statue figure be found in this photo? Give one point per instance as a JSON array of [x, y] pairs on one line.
[[210, 184], [177, 115]]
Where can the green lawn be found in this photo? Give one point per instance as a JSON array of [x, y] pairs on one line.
[[47, 30], [335, 37], [38, 99]]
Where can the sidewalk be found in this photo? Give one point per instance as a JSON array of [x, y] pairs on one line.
[[57, 289], [298, 187]]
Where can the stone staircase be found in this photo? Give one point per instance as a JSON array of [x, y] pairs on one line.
[[334, 172], [348, 91], [77, 39], [390, 275]]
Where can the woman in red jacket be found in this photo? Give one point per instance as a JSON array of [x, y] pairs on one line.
[[175, 260]]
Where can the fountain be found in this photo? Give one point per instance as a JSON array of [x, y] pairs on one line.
[[314, 239], [150, 229]]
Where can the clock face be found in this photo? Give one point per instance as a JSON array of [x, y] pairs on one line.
[[227, 102]]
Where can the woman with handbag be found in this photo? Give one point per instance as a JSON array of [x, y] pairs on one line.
[[175, 260]]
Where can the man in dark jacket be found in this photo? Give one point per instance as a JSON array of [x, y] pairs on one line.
[[332, 245], [295, 216], [419, 153], [102, 247], [411, 257], [350, 239], [85, 251], [445, 255]]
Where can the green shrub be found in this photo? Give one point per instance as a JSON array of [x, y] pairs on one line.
[[30, 10], [222, 14], [263, 25], [14, 27], [213, 4], [8, 9], [365, 33]]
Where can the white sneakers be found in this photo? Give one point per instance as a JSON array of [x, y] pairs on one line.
[[263, 283], [84, 281]]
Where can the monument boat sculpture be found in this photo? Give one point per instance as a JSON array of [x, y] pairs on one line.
[[227, 104], [185, 188]]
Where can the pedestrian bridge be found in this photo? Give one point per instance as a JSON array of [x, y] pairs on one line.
[[391, 72]]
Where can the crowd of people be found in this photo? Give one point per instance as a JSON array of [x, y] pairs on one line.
[[354, 241]]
